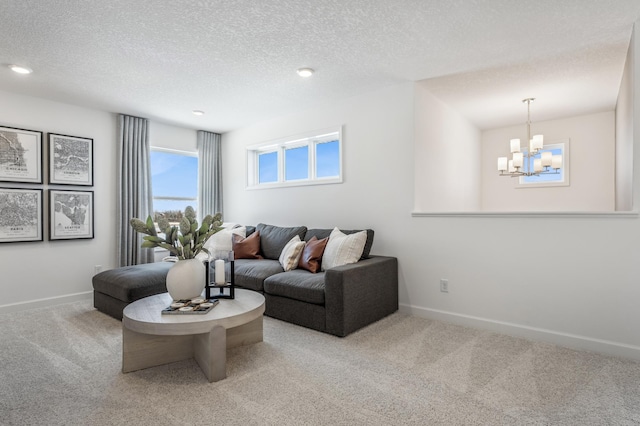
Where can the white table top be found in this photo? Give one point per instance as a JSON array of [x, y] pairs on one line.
[[143, 316]]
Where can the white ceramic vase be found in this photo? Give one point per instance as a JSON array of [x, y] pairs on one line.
[[185, 279]]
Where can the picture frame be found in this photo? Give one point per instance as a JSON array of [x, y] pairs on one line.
[[20, 155], [20, 215], [71, 215], [70, 160]]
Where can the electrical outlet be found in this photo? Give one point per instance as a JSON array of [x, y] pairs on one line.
[[97, 269], [444, 285]]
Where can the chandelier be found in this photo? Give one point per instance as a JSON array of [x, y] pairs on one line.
[[544, 162]]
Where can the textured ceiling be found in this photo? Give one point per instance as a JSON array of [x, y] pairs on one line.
[[236, 60]]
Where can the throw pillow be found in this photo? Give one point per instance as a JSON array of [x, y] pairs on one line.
[[311, 257], [343, 249], [291, 254], [274, 238], [220, 244], [246, 248]]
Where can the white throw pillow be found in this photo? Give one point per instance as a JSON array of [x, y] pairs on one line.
[[219, 244], [291, 253], [343, 249]]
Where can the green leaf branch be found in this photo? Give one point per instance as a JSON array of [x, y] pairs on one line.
[[184, 241]]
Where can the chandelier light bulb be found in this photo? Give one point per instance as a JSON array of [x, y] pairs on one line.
[[529, 160]]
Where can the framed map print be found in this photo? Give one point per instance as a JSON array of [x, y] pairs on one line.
[[70, 160], [20, 215], [70, 214], [20, 155]]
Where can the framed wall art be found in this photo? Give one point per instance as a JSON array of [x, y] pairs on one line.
[[20, 155], [70, 214], [20, 215], [70, 160]]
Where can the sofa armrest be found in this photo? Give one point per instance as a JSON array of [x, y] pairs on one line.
[[360, 293]]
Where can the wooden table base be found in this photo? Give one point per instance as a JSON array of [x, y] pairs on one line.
[[209, 349]]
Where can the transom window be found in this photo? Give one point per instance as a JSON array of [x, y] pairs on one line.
[[174, 182], [309, 159]]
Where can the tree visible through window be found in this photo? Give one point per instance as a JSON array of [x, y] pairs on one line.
[[174, 182]]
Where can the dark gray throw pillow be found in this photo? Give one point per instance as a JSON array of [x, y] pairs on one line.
[[274, 238]]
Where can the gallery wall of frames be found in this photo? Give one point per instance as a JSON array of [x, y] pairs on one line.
[[26, 200]]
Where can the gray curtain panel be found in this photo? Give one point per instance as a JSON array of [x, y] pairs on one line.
[[134, 188], [210, 173]]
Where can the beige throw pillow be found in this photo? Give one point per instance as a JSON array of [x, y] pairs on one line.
[[343, 249], [290, 254]]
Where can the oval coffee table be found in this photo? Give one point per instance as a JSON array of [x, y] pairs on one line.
[[150, 338]]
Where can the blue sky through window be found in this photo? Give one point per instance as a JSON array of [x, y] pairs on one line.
[[173, 175], [268, 167], [328, 159], [296, 162]]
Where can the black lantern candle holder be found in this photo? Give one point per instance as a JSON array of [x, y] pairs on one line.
[[222, 284]]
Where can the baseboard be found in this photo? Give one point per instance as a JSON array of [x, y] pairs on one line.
[[572, 341], [49, 301]]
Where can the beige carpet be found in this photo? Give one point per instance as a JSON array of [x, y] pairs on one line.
[[61, 366]]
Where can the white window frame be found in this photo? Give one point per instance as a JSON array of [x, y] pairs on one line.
[[563, 145], [185, 153], [310, 139]]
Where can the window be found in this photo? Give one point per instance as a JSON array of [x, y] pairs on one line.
[[553, 179], [310, 159], [174, 182]]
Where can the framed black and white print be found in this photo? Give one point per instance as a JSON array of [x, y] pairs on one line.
[[20, 215], [20, 155], [70, 214], [70, 160]]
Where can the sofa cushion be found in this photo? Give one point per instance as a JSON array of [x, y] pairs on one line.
[[274, 238], [251, 273], [131, 283], [291, 254], [297, 284], [343, 249], [324, 233], [246, 248], [311, 257]]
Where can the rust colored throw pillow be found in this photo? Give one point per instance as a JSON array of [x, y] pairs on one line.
[[311, 258], [246, 248]]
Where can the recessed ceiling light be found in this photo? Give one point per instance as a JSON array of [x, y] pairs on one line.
[[20, 69], [305, 72], [197, 112]]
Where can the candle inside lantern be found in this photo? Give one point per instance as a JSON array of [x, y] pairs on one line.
[[219, 274]]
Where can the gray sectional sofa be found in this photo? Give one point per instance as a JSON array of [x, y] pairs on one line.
[[338, 301]]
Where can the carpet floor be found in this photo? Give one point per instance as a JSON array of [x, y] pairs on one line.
[[61, 366]]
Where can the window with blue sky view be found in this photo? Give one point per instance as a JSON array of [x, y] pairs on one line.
[[310, 160], [174, 181]]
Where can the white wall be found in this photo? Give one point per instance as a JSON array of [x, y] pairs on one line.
[[591, 158], [377, 191], [447, 157], [40, 273], [624, 134], [163, 135], [48, 269], [571, 280]]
